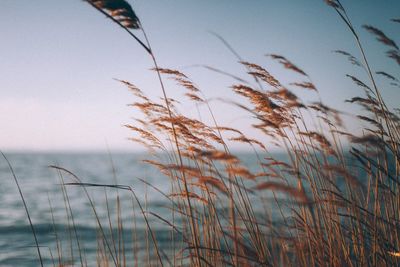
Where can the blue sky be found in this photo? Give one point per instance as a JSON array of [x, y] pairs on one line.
[[58, 60]]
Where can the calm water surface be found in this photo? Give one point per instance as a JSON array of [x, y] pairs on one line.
[[41, 188], [52, 220]]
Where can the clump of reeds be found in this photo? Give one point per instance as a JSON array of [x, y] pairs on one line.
[[322, 206]]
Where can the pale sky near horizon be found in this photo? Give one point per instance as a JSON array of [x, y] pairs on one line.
[[58, 60]]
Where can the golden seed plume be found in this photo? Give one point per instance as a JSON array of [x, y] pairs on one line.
[[120, 10], [287, 63], [381, 37]]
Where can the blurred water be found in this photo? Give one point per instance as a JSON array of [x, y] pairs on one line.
[[40, 184], [61, 235]]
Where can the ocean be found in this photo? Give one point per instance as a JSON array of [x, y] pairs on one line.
[[50, 213], [64, 220]]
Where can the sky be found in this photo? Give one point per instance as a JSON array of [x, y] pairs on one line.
[[58, 61]]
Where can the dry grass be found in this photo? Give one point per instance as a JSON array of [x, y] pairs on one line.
[[324, 206]]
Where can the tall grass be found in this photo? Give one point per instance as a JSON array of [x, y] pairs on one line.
[[323, 206], [333, 201]]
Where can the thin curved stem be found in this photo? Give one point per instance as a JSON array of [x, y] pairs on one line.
[[25, 206], [192, 223]]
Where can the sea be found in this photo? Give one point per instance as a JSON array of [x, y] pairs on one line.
[[71, 222]]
